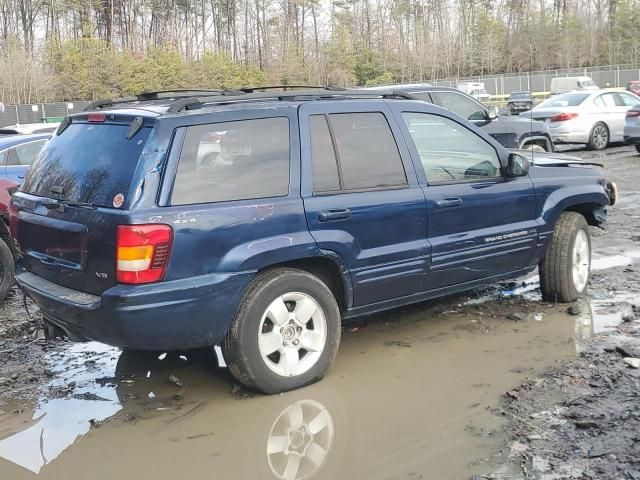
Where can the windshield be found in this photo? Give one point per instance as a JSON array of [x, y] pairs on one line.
[[92, 163], [520, 96], [566, 100]]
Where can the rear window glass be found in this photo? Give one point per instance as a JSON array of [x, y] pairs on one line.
[[91, 163], [565, 100], [238, 160]]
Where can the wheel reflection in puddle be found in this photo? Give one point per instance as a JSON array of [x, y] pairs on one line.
[[299, 441]]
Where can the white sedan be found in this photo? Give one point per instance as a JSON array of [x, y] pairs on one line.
[[594, 118]]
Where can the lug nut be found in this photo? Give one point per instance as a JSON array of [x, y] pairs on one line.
[[282, 330], [285, 343], [299, 329], [295, 342]]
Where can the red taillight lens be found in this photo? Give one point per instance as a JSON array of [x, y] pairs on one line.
[[142, 253], [96, 117], [561, 117], [633, 113]]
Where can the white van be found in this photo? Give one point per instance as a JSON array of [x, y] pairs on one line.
[[475, 89], [569, 84]]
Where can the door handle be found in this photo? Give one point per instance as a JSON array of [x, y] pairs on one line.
[[449, 202], [334, 214]]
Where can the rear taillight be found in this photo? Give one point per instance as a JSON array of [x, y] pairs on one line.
[[142, 253], [633, 113], [562, 117]]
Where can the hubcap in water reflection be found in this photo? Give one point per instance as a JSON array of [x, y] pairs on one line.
[[300, 440]]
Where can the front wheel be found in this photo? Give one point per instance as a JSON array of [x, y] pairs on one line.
[[565, 267], [286, 332]]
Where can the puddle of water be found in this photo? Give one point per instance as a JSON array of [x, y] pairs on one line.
[[406, 398], [613, 261]]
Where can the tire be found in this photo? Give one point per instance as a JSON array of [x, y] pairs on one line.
[[638, 147], [7, 269], [283, 333], [534, 147], [599, 137], [570, 247]]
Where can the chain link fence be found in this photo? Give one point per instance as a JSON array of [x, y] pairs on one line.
[[603, 76], [39, 112]]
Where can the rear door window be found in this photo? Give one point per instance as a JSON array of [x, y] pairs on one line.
[[89, 162], [323, 157], [367, 152], [238, 160]]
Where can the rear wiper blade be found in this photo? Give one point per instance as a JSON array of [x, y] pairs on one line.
[[52, 203]]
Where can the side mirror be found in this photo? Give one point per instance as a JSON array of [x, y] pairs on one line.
[[517, 165], [493, 112]]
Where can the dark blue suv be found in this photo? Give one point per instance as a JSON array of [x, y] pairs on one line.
[[258, 220]]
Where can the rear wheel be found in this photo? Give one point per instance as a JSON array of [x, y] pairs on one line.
[[286, 333], [599, 137], [7, 267], [565, 267], [638, 147]]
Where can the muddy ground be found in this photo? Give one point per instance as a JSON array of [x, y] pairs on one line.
[[494, 383]]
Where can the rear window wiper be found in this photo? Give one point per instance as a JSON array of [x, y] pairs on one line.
[[52, 203]]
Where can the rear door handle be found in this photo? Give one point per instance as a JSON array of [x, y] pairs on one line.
[[334, 214], [449, 202]]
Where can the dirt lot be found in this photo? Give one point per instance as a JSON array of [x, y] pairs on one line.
[[495, 383]]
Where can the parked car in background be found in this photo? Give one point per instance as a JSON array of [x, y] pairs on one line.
[[634, 87], [330, 204], [519, 102], [475, 90], [632, 127], [510, 131], [569, 84], [594, 118], [7, 245], [17, 153], [29, 128]]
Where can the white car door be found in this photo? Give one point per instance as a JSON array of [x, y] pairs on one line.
[[614, 115]]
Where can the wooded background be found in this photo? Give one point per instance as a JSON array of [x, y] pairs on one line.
[[87, 49]]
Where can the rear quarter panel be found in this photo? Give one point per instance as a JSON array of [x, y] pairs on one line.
[[223, 237]]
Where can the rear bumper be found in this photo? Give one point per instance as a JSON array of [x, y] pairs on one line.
[[175, 315]]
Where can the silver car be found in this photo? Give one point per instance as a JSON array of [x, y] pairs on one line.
[[594, 118], [632, 127]]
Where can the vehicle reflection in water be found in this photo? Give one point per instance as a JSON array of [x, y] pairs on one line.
[[300, 440], [409, 395]]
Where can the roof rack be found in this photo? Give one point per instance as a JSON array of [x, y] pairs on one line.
[[168, 95], [108, 102], [288, 87], [325, 93], [184, 92]]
